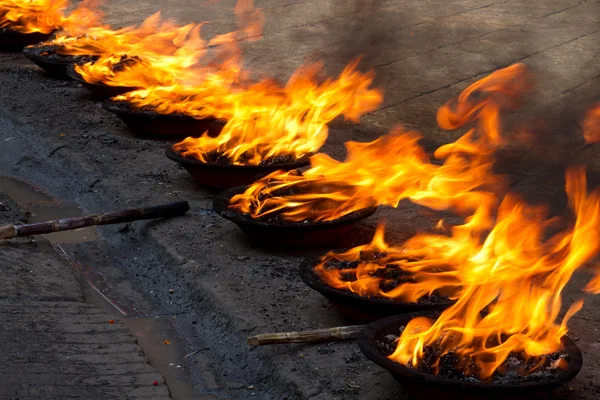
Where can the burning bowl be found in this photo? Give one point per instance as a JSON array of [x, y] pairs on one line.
[[376, 342], [146, 122], [362, 309], [98, 90], [54, 63], [224, 176], [12, 40], [287, 233]]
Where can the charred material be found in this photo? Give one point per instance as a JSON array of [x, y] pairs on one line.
[[377, 342], [98, 90], [286, 234], [226, 175], [362, 309], [11, 40], [49, 58], [147, 122]]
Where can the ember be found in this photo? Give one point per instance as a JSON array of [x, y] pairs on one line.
[[398, 273]]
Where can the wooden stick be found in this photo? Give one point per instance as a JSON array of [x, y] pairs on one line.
[[66, 224], [319, 335]]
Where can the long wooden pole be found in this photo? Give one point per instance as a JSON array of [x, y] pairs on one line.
[[66, 224], [319, 335]]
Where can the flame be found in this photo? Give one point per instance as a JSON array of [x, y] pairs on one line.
[[591, 124], [267, 121], [164, 58], [150, 54], [46, 16], [395, 167], [514, 267], [203, 89], [407, 273], [29, 16]]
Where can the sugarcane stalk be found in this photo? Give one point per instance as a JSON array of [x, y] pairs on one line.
[[117, 217], [314, 336]]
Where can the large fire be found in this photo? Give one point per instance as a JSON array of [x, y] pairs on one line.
[[47, 16], [29, 16], [512, 279], [268, 122], [148, 55], [163, 57], [394, 167]]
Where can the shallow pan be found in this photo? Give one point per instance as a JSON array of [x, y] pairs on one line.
[[151, 123], [289, 233], [224, 176], [421, 385], [98, 90], [55, 66], [11, 40]]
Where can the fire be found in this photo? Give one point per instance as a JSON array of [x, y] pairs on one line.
[[164, 58], [267, 122], [512, 280], [143, 56], [46, 16], [407, 273], [29, 16], [395, 167], [202, 90], [591, 125]]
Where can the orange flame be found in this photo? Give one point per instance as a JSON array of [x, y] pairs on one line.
[[29, 16], [407, 273], [512, 268], [164, 58], [150, 54], [266, 121], [591, 124], [46, 16], [394, 167]]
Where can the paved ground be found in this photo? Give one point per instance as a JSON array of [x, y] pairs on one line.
[[53, 345], [225, 289]]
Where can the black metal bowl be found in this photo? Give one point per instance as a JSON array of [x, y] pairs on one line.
[[98, 90], [357, 308], [426, 386], [150, 123], [305, 234], [55, 65], [224, 176], [12, 40]]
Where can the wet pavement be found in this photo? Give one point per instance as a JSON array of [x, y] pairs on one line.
[[208, 285]]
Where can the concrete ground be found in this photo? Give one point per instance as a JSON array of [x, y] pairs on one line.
[[201, 271], [55, 346]]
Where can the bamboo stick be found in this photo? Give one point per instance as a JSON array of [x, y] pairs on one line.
[[66, 224], [319, 335]]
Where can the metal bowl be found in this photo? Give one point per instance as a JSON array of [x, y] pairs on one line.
[[303, 234], [426, 386], [224, 176], [151, 123]]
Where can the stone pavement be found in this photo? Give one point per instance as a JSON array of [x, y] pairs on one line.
[[54, 346]]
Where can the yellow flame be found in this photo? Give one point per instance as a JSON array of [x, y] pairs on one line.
[[394, 167]]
